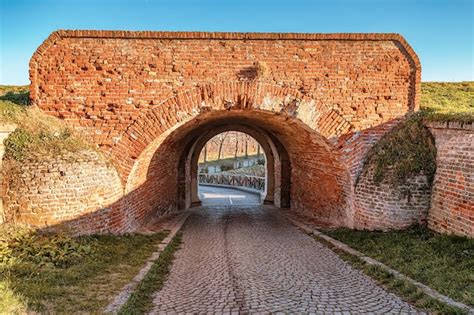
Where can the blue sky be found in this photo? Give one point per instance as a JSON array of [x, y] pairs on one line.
[[441, 32]]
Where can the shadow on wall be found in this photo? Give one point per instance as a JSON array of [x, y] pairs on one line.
[[303, 89], [99, 205]]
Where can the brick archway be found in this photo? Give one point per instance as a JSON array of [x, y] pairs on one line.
[[142, 97], [320, 180], [148, 130]]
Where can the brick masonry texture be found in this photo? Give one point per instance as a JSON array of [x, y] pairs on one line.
[[77, 191], [145, 98], [452, 203], [391, 206]]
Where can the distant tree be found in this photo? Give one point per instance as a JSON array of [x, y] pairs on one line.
[[246, 146], [236, 152], [221, 139]]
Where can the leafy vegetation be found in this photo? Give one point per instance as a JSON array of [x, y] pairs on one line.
[[56, 273], [26, 246], [37, 134], [407, 150], [141, 300], [442, 262]]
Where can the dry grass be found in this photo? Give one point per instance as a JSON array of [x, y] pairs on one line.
[[37, 134]]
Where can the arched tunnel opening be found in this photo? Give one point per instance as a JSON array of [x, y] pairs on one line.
[[232, 170], [303, 171], [277, 166]]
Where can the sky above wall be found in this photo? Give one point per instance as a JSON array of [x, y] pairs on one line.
[[440, 31]]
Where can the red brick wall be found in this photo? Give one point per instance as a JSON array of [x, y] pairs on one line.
[[141, 96], [78, 190], [101, 81], [385, 205], [452, 203]]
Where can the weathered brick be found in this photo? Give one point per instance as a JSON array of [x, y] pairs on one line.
[[144, 97], [452, 202]]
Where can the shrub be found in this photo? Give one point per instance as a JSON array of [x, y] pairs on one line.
[[20, 98], [225, 168]]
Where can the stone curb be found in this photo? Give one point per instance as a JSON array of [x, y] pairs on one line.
[[122, 297], [344, 247]]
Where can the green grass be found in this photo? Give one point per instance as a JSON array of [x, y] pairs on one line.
[[404, 289], [141, 300], [442, 262], [84, 285], [447, 101]]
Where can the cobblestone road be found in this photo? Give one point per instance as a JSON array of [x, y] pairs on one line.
[[250, 260]]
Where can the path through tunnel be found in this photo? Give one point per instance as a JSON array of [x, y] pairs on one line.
[[302, 170], [232, 170]]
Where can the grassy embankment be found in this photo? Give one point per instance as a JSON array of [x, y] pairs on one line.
[[442, 262], [37, 135]]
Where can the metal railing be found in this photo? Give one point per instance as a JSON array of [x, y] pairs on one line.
[[247, 181]]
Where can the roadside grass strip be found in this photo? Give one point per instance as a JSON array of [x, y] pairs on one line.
[[141, 300], [136, 297], [415, 292]]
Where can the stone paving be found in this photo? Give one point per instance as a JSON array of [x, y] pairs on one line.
[[247, 259]]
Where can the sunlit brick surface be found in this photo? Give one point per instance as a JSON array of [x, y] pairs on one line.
[[319, 101], [452, 203]]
